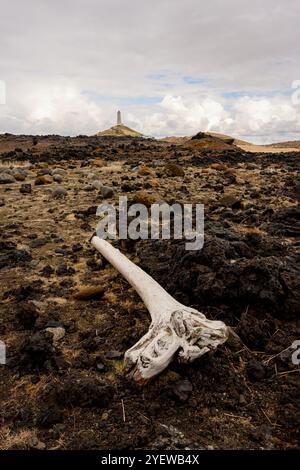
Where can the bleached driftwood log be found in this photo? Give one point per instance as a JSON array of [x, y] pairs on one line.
[[174, 326]]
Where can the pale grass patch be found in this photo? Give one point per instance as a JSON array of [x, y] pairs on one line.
[[110, 297], [14, 163], [113, 168], [10, 439]]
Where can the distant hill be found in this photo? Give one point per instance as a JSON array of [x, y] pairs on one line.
[[214, 140], [289, 144], [120, 131], [204, 140]]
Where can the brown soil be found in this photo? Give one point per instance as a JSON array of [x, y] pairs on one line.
[[73, 393]]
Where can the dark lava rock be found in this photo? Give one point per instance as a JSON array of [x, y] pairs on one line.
[[77, 247], [286, 221], [255, 370], [25, 291], [255, 332], [65, 270], [48, 416], [6, 178], [10, 256], [230, 200], [27, 314], [86, 213], [219, 275], [61, 251], [171, 169], [107, 192], [37, 349], [25, 188], [38, 242], [84, 392], [47, 271]]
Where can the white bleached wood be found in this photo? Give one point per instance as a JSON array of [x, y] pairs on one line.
[[174, 327]]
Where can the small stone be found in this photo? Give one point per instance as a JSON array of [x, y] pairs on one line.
[[59, 171], [58, 333], [58, 429], [41, 180], [5, 178], [100, 163], [230, 200], [19, 177], [35, 443], [2, 202], [182, 390], [143, 197], [256, 370], [47, 271], [92, 176], [146, 171], [57, 178], [242, 400], [34, 263], [114, 355], [27, 314], [95, 264], [38, 242], [35, 379], [234, 341], [100, 367], [19, 170], [25, 188], [40, 446], [43, 172], [65, 270], [218, 166], [59, 192], [107, 192], [96, 184], [171, 169], [61, 252], [87, 293], [77, 247], [89, 187]]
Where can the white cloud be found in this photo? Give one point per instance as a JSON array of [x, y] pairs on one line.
[[68, 65], [260, 119]]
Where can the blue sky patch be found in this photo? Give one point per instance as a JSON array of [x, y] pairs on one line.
[[194, 80], [256, 94]]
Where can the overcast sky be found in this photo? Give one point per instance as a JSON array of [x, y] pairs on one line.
[[173, 67]]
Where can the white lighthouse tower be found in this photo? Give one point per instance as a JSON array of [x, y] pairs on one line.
[[119, 119]]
